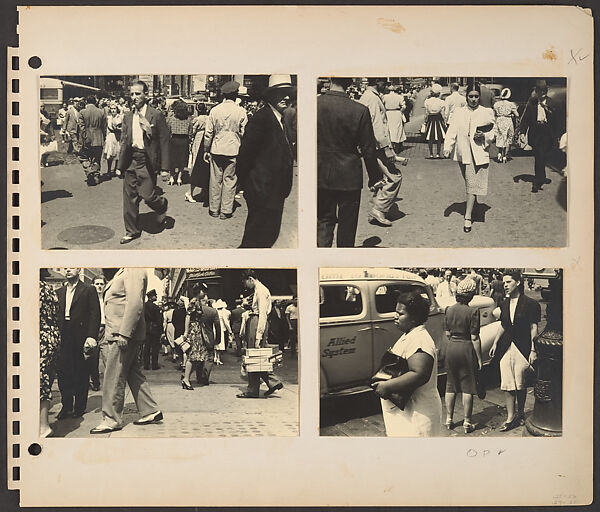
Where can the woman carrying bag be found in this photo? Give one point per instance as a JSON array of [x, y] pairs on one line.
[[421, 414]]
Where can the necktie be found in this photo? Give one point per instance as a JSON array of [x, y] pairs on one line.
[[144, 124]]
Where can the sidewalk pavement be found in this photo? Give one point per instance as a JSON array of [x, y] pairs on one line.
[[208, 411]]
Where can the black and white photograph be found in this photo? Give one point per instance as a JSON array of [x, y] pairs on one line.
[[168, 161], [450, 352], [168, 352], [442, 162]]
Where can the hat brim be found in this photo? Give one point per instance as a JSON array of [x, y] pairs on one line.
[[288, 89]]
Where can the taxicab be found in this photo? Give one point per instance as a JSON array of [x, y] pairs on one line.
[[356, 324]]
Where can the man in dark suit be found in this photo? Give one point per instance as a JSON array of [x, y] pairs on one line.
[[71, 126], [79, 321], [144, 153], [154, 322], [236, 325], [540, 123], [265, 165], [343, 128], [92, 127], [514, 345]]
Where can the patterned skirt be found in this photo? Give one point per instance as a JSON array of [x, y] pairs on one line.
[[435, 129], [476, 178]]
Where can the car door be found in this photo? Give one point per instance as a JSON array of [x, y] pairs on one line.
[[385, 333], [345, 334]]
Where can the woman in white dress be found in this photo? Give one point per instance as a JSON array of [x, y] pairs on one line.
[[226, 332], [471, 132], [422, 414], [114, 122]]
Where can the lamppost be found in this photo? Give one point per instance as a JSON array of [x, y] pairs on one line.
[[546, 419]]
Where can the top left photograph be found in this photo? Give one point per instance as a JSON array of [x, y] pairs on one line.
[[168, 161]]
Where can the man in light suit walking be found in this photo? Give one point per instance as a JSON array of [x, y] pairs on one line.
[[125, 332], [92, 127], [144, 152]]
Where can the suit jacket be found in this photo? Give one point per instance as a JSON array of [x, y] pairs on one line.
[[460, 134], [156, 147], [374, 103], [264, 163], [344, 134], [92, 125], [70, 122], [537, 133], [84, 313], [154, 318], [124, 304], [527, 312]]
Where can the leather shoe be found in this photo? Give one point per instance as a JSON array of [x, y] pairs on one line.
[[272, 390], [151, 418], [247, 395], [129, 238], [64, 414], [377, 217], [547, 181], [104, 429]]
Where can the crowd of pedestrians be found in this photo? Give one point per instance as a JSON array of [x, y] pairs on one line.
[[101, 336], [463, 127], [410, 400], [237, 147]]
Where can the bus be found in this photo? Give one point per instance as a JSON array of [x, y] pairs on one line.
[[54, 92]]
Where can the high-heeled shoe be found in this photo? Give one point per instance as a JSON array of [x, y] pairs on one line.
[[467, 228], [186, 386], [449, 423], [468, 427], [189, 198]]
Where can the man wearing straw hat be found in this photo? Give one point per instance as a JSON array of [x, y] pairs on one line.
[[265, 165]]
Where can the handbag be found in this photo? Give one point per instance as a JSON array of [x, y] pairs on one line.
[[392, 366], [479, 385], [423, 128]]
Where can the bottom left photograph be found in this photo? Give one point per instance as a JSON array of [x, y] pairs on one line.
[[168, 352]]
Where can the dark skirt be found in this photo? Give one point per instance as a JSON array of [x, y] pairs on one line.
[[201, 171], [461, 365], [179, 149]]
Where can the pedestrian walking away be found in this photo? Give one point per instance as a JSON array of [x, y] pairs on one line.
[[344, 136], [387, 190], [222, 138]]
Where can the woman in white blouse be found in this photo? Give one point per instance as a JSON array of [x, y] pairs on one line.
[[472, 130], [422, 414], [435, 127]]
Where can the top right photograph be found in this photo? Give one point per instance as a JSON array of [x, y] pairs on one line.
[[442, 161]]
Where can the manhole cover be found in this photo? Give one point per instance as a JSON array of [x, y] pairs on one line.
[[83, 235]]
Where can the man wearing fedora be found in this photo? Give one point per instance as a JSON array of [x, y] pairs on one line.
[[222, 136], [540, 124], [265, 164], [144, 152]]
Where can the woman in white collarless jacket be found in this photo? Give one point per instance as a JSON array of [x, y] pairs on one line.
[[472, 130]]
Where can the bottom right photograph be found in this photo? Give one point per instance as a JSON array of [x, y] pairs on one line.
[[441, 352]]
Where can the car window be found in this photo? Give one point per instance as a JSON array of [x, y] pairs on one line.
[[340, 300], [385, 295]]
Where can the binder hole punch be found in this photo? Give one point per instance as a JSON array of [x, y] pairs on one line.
[[34, 449], [34, 62]]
